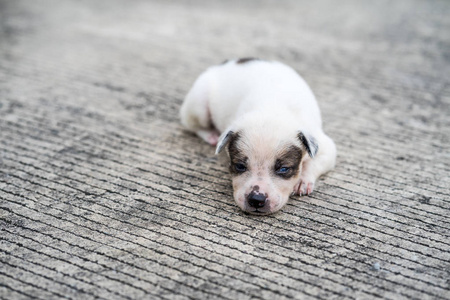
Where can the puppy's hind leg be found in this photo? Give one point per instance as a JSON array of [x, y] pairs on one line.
[[195, 114], [312, 168]]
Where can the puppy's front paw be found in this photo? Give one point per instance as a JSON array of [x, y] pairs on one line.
[[209, 136], [304, 187]]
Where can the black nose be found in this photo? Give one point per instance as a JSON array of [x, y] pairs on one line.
[[256, 200]]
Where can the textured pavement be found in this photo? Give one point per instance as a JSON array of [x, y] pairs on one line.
[[104, 196]]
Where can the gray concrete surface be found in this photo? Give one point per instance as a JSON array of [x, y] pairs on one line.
[[103, 195]]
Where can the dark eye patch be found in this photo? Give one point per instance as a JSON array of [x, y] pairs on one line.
[[238, 168], [238, 161], [288, 162]]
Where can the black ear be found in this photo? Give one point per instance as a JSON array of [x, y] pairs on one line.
[[309, 142], [223, 141]]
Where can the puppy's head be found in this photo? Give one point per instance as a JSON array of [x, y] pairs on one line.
[[265, 164]]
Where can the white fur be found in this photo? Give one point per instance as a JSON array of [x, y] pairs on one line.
[[268, 101]]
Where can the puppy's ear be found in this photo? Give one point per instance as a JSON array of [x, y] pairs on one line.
[[223, 140], [309, 142]]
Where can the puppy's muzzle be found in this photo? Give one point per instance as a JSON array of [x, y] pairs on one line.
[[256, 200]]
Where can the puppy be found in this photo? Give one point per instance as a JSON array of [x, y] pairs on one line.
[[266, 117]]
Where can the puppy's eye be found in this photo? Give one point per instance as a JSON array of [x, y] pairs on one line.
[[283, 170], [240, 167]]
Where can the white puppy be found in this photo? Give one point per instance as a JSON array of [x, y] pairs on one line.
[[270, 124]]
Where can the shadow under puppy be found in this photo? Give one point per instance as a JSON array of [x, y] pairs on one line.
[[268, 119]]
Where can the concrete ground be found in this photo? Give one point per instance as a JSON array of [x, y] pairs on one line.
[[103, 195]]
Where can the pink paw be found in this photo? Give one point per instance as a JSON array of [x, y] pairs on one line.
[[304, 187], [209, 136], [213, 138]]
